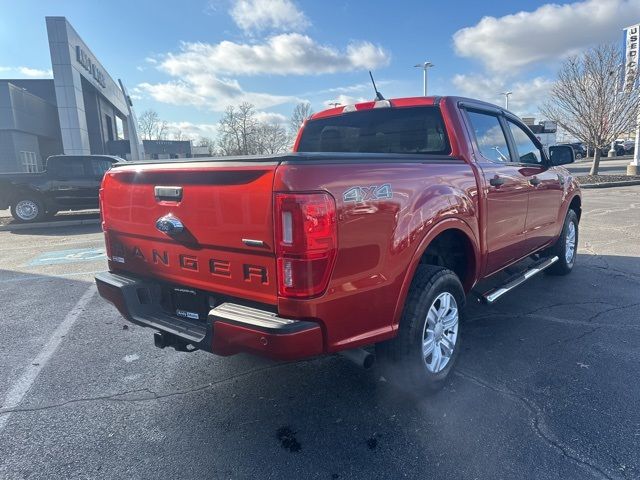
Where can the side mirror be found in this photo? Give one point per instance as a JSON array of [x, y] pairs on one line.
[[561, 155]]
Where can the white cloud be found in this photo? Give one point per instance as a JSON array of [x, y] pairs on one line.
[[199, 70], [548, 33], [527, 95], [271, 118], [285, 54], [210, 92], [28, 72], [259, 15], [343, 100], [193, 131]]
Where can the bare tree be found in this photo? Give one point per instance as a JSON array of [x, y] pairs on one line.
[[587, 100], [238, 129], [178, 135], [272, 138], [301, 112], [209, 143], [151, 127]]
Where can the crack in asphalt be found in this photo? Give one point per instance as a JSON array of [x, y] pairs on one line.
[[566, 321], [593, 317], [548, 318], [568, 304], [115, 397], [539, 425], [575, 338], [618, 273]]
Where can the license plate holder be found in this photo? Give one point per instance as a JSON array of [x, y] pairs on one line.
[[189, 303]]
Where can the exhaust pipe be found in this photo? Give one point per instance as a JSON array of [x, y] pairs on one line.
[[360, 357], [160, 340]]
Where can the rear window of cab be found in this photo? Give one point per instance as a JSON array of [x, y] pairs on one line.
[[410, 130]]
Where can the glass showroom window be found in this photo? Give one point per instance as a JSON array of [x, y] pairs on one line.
[[29, 162]]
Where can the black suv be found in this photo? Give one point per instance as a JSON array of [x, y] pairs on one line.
[[69, 182]]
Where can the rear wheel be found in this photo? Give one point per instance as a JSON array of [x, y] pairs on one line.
[[423, 354], [28, 210], [565, 247]]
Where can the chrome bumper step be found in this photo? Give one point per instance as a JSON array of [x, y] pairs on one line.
[[492, 295], [257, 319]]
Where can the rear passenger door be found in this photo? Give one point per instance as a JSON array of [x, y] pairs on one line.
[[545, 194], [506, 189], [70, 182]]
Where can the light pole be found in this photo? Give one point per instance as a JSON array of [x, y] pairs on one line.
[[424, 66], [506, 99]]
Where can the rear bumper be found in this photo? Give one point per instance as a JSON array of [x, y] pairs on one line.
[[229, 328]]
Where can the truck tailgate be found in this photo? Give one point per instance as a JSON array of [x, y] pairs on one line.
[[226, 245]]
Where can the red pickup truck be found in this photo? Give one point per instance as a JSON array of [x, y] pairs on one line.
[[370, 233]]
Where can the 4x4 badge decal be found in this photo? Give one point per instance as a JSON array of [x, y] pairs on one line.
[[363, 194]]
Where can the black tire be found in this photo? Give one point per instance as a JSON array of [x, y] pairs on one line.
[[27, 209], [402, 360], [564, 265]]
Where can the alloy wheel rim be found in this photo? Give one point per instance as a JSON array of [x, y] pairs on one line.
[[570, 244], [440, 332], [26, 210]]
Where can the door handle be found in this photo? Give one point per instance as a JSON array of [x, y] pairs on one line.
[[534, 181], [496, 181]]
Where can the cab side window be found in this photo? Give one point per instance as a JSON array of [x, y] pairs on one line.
[[528, 152], [100, 167], [490, 137], [70, 167]]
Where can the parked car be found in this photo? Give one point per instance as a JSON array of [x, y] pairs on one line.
[[68, 182], [629, 146], [604, 151], [371, 233], [579, 150]]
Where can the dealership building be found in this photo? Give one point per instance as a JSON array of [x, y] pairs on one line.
[[81, 111]]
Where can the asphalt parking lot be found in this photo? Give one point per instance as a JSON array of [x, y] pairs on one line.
[[547, 385]]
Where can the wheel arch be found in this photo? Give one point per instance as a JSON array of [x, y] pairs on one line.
[[451, 233], [576, 205]]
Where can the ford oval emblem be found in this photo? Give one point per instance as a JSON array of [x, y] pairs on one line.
[[169, 225]]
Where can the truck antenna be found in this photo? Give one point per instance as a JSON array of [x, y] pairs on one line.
[[378, 94]]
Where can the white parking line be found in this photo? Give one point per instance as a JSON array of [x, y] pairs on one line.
[[20, 388]]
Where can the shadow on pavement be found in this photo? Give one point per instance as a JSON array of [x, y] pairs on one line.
[[54, 231]]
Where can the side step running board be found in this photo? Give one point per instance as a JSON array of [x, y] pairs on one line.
[[492, 295]]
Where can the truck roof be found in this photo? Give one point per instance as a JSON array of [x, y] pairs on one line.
[[396, 102]]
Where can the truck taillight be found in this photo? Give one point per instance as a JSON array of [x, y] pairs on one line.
[[306, 242]]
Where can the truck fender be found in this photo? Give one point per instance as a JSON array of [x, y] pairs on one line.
[[570, 194], [437, 229]]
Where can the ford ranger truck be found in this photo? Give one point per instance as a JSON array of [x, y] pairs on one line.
[[371, 232]]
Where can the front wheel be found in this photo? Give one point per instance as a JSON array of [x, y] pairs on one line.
[[565, 247], [28, 210], [423, 354]]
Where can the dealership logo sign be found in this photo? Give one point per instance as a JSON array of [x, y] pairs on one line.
[[87, 62], [631, 57]]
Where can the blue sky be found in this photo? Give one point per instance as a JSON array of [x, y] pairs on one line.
[[190, 59]]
